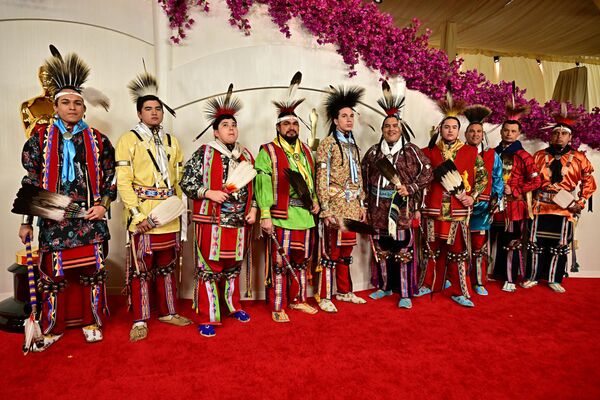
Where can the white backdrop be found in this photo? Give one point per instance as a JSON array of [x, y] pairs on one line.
[[214, 55]]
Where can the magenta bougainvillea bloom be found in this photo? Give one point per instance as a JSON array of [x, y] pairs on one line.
[[361, 32]]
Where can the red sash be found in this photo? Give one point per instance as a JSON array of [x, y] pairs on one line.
[[49, 145], [205, 210]]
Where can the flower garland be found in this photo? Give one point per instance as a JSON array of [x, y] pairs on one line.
[[360, 31]]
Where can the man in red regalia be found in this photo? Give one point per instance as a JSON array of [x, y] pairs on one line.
[[520, 178], [447, 211], [71, 158], [222, 215]]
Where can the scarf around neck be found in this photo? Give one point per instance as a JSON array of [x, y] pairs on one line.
[[156, 137], [68, 168]]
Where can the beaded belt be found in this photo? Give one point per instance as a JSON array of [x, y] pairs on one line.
[[152, 193], [546, 197], [296, 202], [383, 193]]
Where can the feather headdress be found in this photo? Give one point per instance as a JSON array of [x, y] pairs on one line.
[[342, 97], [71, 72], [477, 113], [450, 107], [217, 107], [392, 106], [514, 112], [564, 119], [286, 108], [144, 85]]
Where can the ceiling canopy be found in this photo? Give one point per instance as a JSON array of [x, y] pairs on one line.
[[553, 30]]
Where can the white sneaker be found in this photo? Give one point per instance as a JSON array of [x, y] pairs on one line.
[[327, 306]]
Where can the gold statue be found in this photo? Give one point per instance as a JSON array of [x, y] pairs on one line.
[[38, 110]]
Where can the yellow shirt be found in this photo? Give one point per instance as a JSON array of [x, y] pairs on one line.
[[135, 168]]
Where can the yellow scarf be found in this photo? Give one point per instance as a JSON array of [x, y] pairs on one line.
[[449, 152], [296, 158]]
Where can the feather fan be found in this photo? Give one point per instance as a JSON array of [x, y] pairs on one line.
[[448, 176], [239, 177], [33, 200], [358, 227], [300, 187], [167, 211]]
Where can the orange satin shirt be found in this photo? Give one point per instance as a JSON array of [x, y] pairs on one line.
[[577, 169]]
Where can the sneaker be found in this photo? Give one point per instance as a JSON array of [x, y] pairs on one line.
[[350, 298], [280, 316], [405, 302], [327, 306], [480, 290], [175, 319], [463, 301], [207, 330], [380, 294], [528, 284], [304, 307], [92, 333], [241, 316], [423, 290], [139, 331], [557, 287], [48, 341], [509, 287]]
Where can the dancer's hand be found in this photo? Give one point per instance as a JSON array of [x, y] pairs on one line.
[[251, 217], [24, 231], [95, 213], [266, 225], [218, 196]]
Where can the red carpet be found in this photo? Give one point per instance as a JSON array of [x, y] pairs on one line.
[[532, 344]]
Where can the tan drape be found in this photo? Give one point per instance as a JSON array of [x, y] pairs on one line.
[[539, 82], [572, 86], [448, 39]]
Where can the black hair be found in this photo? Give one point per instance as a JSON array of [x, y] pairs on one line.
[[215, 124], [512, 122], [388, 117], [450, 117], [139, 104]]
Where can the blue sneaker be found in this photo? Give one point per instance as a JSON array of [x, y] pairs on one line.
[[207, 330], [405, 303], [241, 316], [423, 290], [480, 290], [380, 294], [463, 301], [447, 284]]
